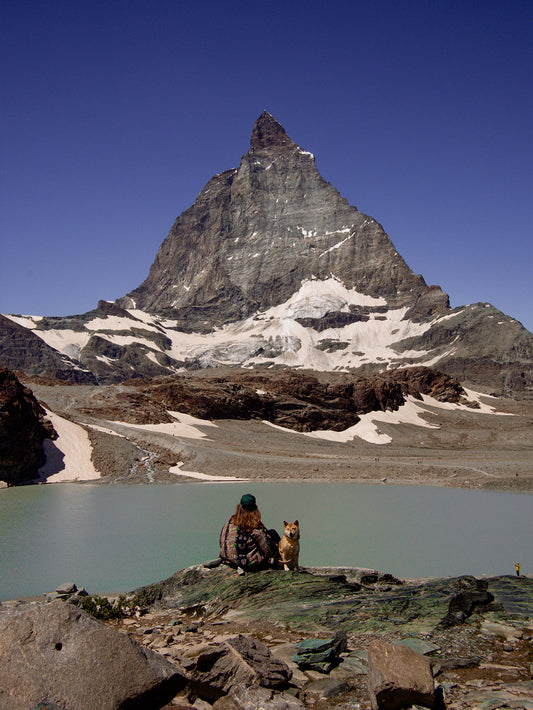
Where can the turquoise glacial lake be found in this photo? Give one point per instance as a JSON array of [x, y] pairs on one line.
[[114, 538]]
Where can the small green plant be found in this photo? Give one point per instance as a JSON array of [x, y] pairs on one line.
[[102, 608]]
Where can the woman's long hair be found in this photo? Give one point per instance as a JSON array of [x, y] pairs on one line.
[[247, 519]]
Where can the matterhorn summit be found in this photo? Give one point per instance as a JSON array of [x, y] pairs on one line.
[[256, 233], [271, 267]]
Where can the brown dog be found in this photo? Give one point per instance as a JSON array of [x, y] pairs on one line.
[[289, 545]]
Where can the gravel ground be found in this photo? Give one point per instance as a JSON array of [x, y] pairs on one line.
[[469, 449]]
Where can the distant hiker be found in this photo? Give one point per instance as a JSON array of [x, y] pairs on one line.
[[517, 568], [244, 540]]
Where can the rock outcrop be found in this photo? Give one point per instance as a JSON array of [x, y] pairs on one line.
[[465, 602], [23, 429], [301, 401], [321, 654]]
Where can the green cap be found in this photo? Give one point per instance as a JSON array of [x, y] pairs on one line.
[[248, 502]]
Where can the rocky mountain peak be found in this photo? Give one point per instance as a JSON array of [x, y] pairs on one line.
[[268, 134], [272, 266], [256, 234]]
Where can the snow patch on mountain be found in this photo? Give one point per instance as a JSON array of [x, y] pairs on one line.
[[116, 323], [412, 412], [68, 342], [185, 426], [202, 476], [68, 458], [281, 335], [315, 298], [25, 321], [273, 336]]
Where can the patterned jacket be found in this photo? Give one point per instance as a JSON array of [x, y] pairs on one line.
[[249, 550]]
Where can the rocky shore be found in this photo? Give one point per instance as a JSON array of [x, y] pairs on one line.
[[209, 637]]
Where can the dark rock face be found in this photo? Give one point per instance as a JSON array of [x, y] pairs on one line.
[[488, 347], [22, 431], [416, 381], [465, 602], [128, 361], [299, 400], [22, 350], [55, 651], [256, 232]]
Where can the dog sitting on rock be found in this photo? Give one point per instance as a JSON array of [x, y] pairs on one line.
[[289, 545]]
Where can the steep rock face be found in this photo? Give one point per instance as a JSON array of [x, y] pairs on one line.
[[298, 400], [256, 233], [21, 349], [480, 344], [416, 381], [22, 431]]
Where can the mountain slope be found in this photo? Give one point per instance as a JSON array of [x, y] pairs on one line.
[[272, 267], [255, 233]]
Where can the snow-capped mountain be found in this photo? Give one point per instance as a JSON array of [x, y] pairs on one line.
[[272, 267]]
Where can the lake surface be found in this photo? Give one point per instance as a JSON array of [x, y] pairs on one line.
[[113, 538]]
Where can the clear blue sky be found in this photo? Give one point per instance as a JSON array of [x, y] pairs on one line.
[[115, 114]]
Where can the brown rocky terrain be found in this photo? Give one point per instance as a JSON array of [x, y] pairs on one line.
[[464, 447], [297, 400]]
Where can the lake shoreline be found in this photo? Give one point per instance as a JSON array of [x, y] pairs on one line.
[[523, 486], [117, 537]]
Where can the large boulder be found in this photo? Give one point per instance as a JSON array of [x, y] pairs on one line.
[[398, 677], [240, 661], [56, 653]]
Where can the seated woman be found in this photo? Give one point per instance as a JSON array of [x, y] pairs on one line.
[[244, 540]]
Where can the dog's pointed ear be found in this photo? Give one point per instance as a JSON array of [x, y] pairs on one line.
[[285, 523], [296, 522]]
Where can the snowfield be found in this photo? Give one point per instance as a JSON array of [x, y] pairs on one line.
[[273, 337]]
